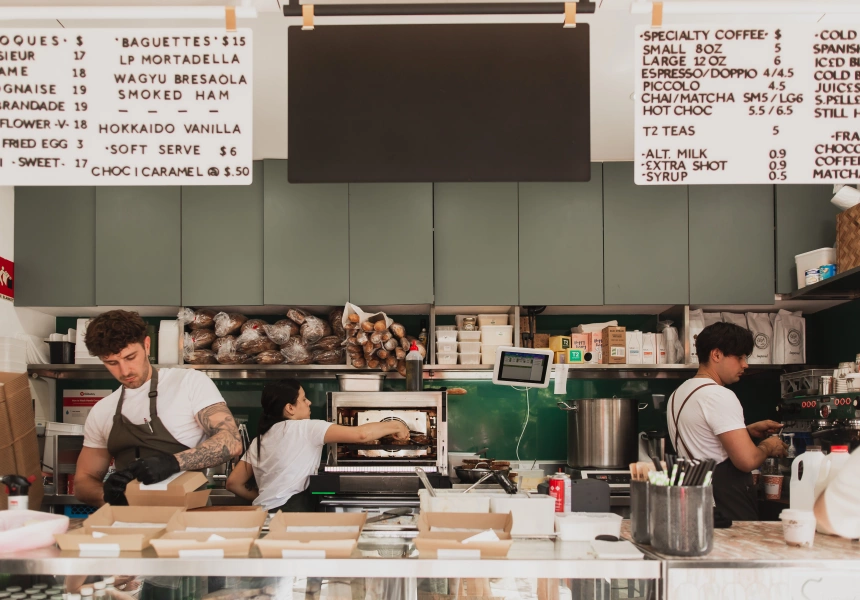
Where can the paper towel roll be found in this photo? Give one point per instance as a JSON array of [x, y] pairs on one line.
[[168, 343]]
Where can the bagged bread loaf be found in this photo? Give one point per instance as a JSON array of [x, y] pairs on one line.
[[270, 357], [359, 363], [329, 357], [335, 318], [220, 341], [280, 332], [228, 354], [201, 339], [401, 367], [200, 357], [196, 319], [257, 324], [254, 341], [226, 324], [296, 352], [314, 329], [297, 315], [329, 342]]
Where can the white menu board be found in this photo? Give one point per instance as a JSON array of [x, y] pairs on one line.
[[769, 104], [125, 107]]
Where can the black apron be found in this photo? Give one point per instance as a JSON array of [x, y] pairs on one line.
[[127, 442], [734, 492], [301, 502]]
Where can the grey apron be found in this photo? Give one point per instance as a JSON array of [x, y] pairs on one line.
[[127, 442], [734, 493]]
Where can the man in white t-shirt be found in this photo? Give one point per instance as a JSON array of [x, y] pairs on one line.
[[706, 420], [157, 424], [837, 508]]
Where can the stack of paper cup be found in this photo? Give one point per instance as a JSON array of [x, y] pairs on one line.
[[168, 343], [798, 527]]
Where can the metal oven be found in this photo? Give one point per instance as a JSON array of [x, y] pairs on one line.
[[382, 474]]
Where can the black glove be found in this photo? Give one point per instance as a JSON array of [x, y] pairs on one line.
[[114, 487], [155, 468]]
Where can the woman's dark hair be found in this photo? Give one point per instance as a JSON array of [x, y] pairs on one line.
[[113, 331], [276, 396], [728, 338]]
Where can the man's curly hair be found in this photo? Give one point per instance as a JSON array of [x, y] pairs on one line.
[[110, 332]]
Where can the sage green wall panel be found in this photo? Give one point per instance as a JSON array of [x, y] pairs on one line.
[[390, 243], [138, 246], [645, 251], [805, 220], [55, 245], [222, 243], [306, 240], [561, 233], [475, 244], [731, 244]]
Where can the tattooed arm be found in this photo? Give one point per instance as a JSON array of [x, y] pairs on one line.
[[90, 472], [224, 443]]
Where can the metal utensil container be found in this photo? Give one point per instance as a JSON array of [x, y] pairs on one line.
[[639, 513], [681, 519]]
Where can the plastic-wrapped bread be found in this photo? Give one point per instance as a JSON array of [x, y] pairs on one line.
[[201, 339], [329, 342], [376, 338], [297, 315], [255, 346], [200, 357], [398, 330], [386, 335], [362, 338], [406, 343], [329, 357], [196, 319], [368, 347], [352, 341], [380, 326], [367, 326], [391, 345], [382, 353], [280, 332], [354, 318], [296, 352], [220, 341], [270, 357], [226, 324], [372, 363], [383, 365], [401, 367], [351, 327], [314, 329], [253, 324], [335, 318], [400, 353], [234, 358], [359, 363], [392, 362]]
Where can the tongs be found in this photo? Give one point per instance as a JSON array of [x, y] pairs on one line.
[[423, 477]]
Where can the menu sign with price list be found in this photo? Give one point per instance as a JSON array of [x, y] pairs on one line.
[[747, 105], [125, 107]]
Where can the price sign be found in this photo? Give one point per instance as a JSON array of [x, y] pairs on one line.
[[125, 107], [751, 105]]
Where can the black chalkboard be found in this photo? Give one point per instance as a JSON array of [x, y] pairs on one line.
[[395, 103]]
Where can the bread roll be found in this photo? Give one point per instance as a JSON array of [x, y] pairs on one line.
[[380, 326], [400, 353], [384, 366], [373, 363], [367, 326], [368, 347], [398, 330], [359, 363], [401, 367], [362, 338], [354, 318], [382, 353], [226, 324], [391, 345], [376, 338], [392, 362]]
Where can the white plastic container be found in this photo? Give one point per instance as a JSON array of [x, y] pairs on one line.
[[29, 529], [488, 353], [812, 260], [500, 335], [446, 347], [459, 319], [804, 490], [837, 458], [470, 358], [469, 336], [446, 358], [533, 515], [454, 502], [446, 335], [584, 527], [798, 527], [446, 328], [470, 347], [488, 320]]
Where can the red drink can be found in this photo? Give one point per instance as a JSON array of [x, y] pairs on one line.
[[556, 490]]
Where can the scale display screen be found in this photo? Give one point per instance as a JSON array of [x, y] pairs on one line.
[[522, 366]]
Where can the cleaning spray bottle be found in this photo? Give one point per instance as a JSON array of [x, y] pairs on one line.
[[18, 488]]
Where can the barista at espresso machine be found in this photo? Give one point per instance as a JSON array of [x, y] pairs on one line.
[[157, 424], [706, 420]]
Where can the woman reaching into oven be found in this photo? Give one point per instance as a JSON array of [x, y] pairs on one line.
[[288, 449]]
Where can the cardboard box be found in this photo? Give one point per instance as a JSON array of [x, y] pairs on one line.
[[182, 491], [581, 341], [19, 448], [634, 347], [525, 326], [312, 535], [614, 346], [559, 343], [446, 532], [541, 340], [573, 356], [210, 534], [126, 539], [596, 347], [649, 348]]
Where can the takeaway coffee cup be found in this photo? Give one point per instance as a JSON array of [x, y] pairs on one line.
[[798, 527], [756, 474], [772, 486]]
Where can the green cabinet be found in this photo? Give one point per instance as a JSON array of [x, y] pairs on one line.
[[390, 243], [475, 244], [561, 242], [731, 244], [645, 251], [805, 220], [222, 243], [55, 246], [138, 246], [306, 240]]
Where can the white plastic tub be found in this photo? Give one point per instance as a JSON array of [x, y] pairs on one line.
[[446, 358], [446, 335], [533, 515], [812, 260], [469, 336], [470, 358], [584, 527], [470, 347], [29, 529], [488, 320], [456, 501], [500, 335], [446, 347], [488, 353]]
